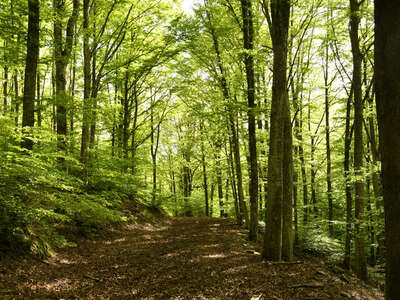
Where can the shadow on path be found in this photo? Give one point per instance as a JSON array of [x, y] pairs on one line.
[[182, 258]]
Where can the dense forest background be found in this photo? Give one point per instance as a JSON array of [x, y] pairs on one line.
[[114, 106]]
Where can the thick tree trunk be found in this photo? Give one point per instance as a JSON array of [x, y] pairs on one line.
[[248, 36], [387, 66], [275, 207], [28, 117], [361, 262], [287, 205]]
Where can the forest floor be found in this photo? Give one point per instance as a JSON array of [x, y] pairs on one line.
[[180, 258]]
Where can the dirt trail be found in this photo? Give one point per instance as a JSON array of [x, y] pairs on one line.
[[184, 258]]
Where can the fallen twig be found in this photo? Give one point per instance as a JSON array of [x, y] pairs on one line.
[[91, 277], [285, 262], [308, 285]]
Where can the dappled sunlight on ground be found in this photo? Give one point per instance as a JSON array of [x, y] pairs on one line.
[[115, 241], [183, 258], [63, 284], [220, 255]]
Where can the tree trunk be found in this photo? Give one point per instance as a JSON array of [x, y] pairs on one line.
[[86, 86], [276, 205], [94, 92], [327, 140], [204, 165], [303, 166], [212, 199], [5, 83], [313, 171], [219, 183], [28, 117], [62, 53], [371, 227], [287, 205], [361, 263], [154, 138], [16, 100], [387, 65], [38, 101], [127, 117], [248, 36], [233, 182], [349, 200], [295, 196], [186, 185], [53, 94]]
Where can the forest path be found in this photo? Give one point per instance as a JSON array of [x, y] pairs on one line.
[[182, 258]]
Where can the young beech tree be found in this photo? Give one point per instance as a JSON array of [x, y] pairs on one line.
[[221, 77]]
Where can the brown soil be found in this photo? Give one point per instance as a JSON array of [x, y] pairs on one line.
[[183, 258]]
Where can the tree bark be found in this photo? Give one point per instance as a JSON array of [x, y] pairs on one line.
[[313, 171], [387, 66], [233, 182], [154, 138], [327, 140], [361, 262], [219, 182], [16, 100], [62, 53], [287, 205], [86, 85], [28, 116], [280, 13], [204, 165], [5, 82], [349, 199], [248, 36]]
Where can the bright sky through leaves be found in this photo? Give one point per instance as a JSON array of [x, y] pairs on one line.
[[187, 6]]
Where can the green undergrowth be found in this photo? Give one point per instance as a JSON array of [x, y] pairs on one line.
[[37, 197]]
